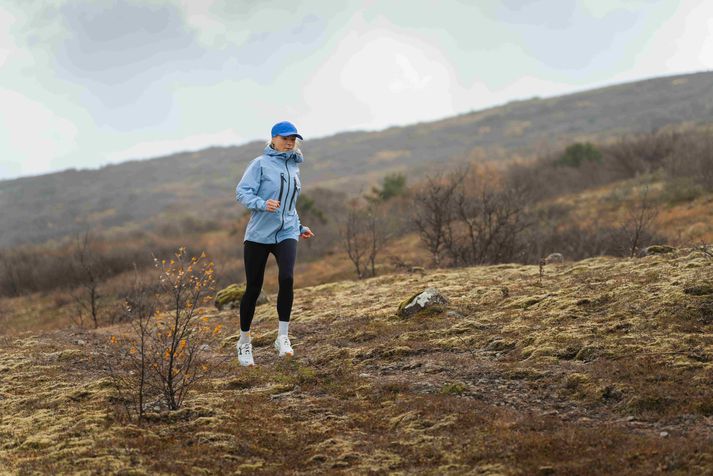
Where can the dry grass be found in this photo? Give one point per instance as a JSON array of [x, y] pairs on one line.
[[604, 368]]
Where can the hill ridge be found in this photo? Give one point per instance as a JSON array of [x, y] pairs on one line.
[[53, 206]]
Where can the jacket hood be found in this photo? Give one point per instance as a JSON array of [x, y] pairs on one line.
[[296, 155]]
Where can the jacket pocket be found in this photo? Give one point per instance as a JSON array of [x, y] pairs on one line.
[[283, 180], [293, 202]]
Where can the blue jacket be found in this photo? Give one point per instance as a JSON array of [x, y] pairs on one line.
[[274, 175]]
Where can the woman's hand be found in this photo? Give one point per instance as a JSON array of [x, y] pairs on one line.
[[307, 234], [272, 205]]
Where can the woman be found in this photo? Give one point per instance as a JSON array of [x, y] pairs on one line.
[[270, 188]]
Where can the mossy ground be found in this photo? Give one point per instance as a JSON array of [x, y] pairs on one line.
[[605, 367]]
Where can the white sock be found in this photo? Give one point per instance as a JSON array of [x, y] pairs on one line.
[[244, 338], [282, 328]]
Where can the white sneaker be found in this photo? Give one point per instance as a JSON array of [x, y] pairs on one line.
[[283, 346], [245, 354]]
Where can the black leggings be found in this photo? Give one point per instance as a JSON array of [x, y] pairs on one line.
[[255, 259]]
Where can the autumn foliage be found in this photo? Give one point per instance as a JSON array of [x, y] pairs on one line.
[[166, 352]]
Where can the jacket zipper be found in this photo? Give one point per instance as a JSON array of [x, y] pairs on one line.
[[294, 191], [282, 184]]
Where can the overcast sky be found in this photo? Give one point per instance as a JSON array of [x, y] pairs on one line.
[[89, 82]]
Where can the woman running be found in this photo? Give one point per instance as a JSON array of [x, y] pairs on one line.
[[270, 188]]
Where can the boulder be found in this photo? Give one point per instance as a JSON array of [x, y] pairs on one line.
[[229, 298], [430, 298]]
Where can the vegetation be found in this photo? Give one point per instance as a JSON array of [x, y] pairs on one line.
[[622, 384], [600, 353], [577, 154], [163, 355], [196, 189]]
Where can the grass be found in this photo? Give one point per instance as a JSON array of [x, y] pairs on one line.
[[607, 356]]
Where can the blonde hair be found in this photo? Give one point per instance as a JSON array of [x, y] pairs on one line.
[[298, 143]]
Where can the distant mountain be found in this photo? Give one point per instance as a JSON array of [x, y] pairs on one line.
[[133, 195]]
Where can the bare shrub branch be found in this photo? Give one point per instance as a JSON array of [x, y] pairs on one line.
[[166, 352]]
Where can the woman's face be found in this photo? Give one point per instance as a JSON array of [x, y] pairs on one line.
[[283, 144]]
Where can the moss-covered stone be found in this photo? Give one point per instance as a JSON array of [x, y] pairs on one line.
[[230, 297], [430, 300]]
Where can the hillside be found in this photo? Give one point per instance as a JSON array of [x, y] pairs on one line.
[[137, 195], [595, 367]]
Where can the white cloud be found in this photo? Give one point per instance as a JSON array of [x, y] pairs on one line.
[[33, 135], [380, 78], [187, 74], [149, 148], [6, 42]]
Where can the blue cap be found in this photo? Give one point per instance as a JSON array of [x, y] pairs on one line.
[[285, 129]]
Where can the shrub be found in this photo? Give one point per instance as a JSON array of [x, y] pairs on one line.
[[578, 153], [165, 353]]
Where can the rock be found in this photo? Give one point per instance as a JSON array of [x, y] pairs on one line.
[[656, 250], [663, 434], [554, 258], [454, 314], [431, 299], [229, 298]]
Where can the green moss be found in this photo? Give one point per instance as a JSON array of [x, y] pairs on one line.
[[539, 351], [70, 354], [575, 380], [397, 351], [406, 302], [290, 372], [455, 388], [588, 353], [498, 345], [233, 293]]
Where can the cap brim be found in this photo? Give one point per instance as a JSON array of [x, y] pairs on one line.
[[290, 135]]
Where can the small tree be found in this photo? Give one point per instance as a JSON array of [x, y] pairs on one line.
[[640, 215], [90, 274], [578, 153], [364, 235], [433, 211], [130, 372], [392, 185], [166, 352]]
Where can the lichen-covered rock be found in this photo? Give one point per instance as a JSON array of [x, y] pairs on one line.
[[554, 258], [431, 299], [229, 298]]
